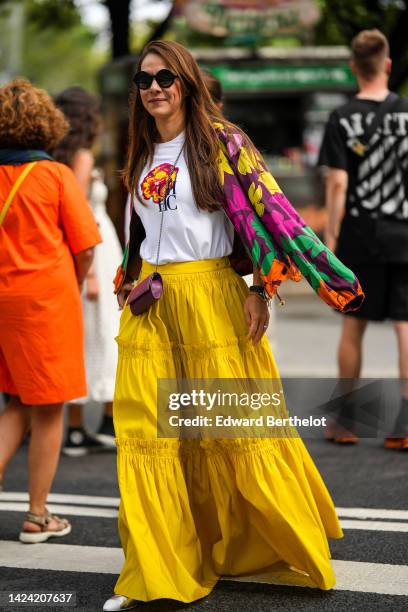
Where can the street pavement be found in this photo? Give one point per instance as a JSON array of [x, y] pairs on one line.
[[305, 335], [368, 484]]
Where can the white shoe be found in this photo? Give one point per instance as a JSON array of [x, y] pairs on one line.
[[108, 441], [119, 602]]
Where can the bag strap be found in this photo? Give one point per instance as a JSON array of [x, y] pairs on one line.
[[133, 215], [166, 193], [14, 190], [128, 252], [360, 144]]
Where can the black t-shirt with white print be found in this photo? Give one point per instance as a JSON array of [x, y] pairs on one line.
[[375, 224]]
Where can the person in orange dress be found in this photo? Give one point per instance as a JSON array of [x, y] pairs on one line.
[[47, 236], [101, 316]]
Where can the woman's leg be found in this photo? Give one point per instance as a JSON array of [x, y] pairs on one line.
[[14, 424], [401, 330], [79, 441], [401, 424], [43, 455], [75, 415], [350, 347], [106, 432], [109, 409]]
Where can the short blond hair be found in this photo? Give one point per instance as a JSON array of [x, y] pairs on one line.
[[369, 50]]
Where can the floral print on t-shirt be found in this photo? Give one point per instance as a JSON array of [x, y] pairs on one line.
[[155, 182]]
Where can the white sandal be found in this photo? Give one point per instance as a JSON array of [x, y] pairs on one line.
[[43, 520], [116, 603]]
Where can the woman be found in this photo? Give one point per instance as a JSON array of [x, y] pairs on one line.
[[101, 316], [193, 510], [47, 236]]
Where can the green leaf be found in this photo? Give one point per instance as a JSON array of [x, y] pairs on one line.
[[339, 267], [306, 243], [256, 252], [262, 233], [309, 271], [267, 262]]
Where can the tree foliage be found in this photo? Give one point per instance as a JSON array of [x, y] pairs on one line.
[[343, 19], [64, 14], [58, 14], [57, 59], [57, 49]]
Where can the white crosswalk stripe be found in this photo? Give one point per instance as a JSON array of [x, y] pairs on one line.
[[62, 509], [374, 525], [357, 576], [62, 498], [351, 575], [106, 507]]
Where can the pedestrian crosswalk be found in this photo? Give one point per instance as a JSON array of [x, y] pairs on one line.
[[364, 577], [352, 575], [106, 507]]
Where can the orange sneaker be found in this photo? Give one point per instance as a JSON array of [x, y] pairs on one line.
[[340, 435], [396, 443]]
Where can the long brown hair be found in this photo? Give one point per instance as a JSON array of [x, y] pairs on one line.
[[201, 146]]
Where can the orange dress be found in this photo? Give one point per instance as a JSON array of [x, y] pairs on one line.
[[41, 327]]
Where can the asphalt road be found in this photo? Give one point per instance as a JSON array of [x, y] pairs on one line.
[[361, 477], [369, 486]]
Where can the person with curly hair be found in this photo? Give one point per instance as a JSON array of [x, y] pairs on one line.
[[47, 237], [101, 317]]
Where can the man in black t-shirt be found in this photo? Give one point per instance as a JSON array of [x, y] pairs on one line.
[[367, 204]]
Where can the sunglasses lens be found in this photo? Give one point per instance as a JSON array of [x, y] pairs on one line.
[[143, 80], [165, 78]]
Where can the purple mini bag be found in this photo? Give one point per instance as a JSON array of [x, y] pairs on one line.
[[145, 293]]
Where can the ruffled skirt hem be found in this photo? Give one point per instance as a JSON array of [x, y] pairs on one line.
[[195, 510]]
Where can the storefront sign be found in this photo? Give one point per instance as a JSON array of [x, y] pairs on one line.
[[283, 77], [256, 18]]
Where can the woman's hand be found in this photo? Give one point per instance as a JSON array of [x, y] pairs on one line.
[[257, 317], [92, 288], [83, 261], [123, 294]]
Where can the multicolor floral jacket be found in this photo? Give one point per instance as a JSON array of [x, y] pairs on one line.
[[274, 236], [277, 239]]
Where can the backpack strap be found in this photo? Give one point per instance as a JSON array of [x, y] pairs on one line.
[[14, 190], [360, 144]]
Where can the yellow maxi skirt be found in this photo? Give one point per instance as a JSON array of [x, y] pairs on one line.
[[194, 510]]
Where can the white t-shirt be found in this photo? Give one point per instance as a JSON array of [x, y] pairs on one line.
[[188, 233]]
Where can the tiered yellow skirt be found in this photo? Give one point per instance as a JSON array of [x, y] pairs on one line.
[[194, 510]]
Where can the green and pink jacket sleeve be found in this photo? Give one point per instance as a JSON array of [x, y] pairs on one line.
[[275, 236]]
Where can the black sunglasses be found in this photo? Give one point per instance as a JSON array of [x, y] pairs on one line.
[[164, 78]]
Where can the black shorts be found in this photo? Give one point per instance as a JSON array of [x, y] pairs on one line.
[[386, 291]]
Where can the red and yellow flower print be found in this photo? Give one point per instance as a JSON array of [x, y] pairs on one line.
[[155, 182]]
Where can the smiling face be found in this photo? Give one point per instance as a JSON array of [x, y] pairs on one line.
[[161, 103]]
